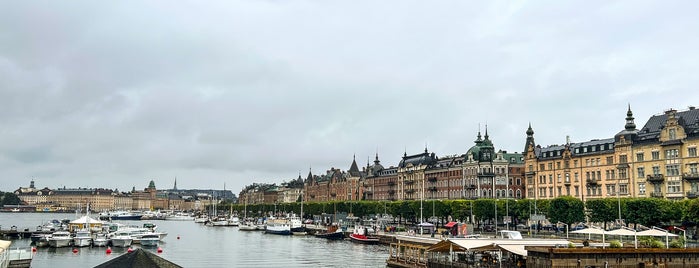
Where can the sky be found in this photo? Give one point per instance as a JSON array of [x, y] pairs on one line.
[[113, 94]]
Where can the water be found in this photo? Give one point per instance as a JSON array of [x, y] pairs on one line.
[[203, 246]]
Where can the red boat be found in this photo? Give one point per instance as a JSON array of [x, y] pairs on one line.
[[361, 235]]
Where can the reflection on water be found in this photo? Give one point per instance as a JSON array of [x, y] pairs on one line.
[[201, 246]]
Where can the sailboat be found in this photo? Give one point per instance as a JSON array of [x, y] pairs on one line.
[[297, 227], [215, 219], [247, 225]]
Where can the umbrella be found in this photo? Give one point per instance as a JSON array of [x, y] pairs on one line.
[[627, 232], [590, 231], [655, 231]]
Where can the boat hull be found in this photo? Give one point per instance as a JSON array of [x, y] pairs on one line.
[[59, 243], [121, 242], [364, 239], [149, 242], [277, 231], [82, 242], [100, 242], [331, 236]]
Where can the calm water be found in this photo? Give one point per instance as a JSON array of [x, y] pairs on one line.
[[202, 246]]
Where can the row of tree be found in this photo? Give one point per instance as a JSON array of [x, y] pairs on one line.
[[569, 210], [9, 198]]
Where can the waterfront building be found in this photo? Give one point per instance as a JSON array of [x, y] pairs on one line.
[[411, 175], [380, 183], [444, 179], [659, 160], [335, 185], [490, 174]]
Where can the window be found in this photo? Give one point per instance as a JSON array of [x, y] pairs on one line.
[[568, 179], [610, 160], [624, 189], [550, 178], [673, 134], [641, 172], [613, 177], [671, 154], [655, 155], [673, 186], [693, 168], [656, 170], [672, 170], [692, 152], [558, 165], [551, 191], [559, 191], [576, 177], [541, 167], [607, 175], [622, 174], [622, 159], [587, 175], [577, 190], [550, 166], [593, 175], [575, 163], [639, 157], [567, 164], [642, 188], [558, 177], [587, 162], [531, 168], [599, 175]]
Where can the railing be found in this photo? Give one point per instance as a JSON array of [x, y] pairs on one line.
[[432, 179], [692, 195], [690, 176], [656, 194], [471, 186], [410, 191], [655, 178], [486, 174], [409, 181], [433, 188], [591, 181]]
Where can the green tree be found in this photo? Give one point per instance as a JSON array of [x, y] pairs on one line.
[[566, 209], [9, 198], [602, 210]]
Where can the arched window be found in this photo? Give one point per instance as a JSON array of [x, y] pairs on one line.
[[519, 193]]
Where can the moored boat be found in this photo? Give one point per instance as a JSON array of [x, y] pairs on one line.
[[82, 238], [100, 240], [332, 233], [247, 226], [121, 239], [150, 240], [278, 226], [60, 239], [40, 240], [361, 235], [121, 215]]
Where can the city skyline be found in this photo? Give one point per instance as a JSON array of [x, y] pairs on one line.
[[114, 95]]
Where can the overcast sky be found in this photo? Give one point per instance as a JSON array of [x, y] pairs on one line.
[[98, 94]]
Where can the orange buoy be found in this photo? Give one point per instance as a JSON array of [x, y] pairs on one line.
[[33, 249], [109, 250], [129, 250], [160, 250], [75, 250]]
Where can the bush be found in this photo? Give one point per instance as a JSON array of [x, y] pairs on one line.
[[676, 244], [657, 244], [615, 244], [571, 245]]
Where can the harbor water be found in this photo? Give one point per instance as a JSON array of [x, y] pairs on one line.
[[206, 246]]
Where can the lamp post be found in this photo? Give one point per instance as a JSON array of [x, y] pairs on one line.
[[566, 228], [684, 235]]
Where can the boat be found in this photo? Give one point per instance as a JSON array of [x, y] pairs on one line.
[[60, 239], [100, 240], [201, 219], [332, 233], [82, 238], [179, 216], [361, 235], [278, 227], [15, 210], [40, 240], [121, 239], [149, 240], [234, 221], [121, 215], [296, 225], [247, 226]]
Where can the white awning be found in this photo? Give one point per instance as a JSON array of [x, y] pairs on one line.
[[516, 249]]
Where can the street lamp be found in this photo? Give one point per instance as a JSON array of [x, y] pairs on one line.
[[566, 228], [684, 235]]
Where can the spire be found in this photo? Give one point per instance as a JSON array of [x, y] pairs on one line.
[[486, 131], [530, 131], [425, 147], [354, 170], [630, 125], [376, 161], [175, 186], [478, 137]]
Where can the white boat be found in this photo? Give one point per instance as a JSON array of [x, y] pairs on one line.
[[180, 216], [247, 226], [278, 226], [121, 239], [201, 219], [234, 221], [60, 239], [100, 240], [218, 221], [150, 240], [82, 238], [120, 215]]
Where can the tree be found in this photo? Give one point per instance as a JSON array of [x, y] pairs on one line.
[[602, 210], [9, 198], [566, 209]]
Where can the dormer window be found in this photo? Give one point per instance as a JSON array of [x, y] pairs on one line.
[[673, 134]]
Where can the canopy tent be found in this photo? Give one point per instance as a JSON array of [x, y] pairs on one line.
[[450, 224], [655, 232], [591, 231], [625, 232], [4, 245], [426, 226], [515, 246], [85, 222]]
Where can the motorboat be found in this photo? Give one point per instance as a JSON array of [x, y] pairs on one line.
[[247, 226], [60, 239], [278, 226], [121, 215], [100, 240], [121, 239], [361, 235], [296, 225], [149, 240], [83, 238], [234, 221], [332, 233], [201, 219], [40, 240], [179, 216]]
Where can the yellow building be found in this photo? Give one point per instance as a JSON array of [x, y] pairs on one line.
[[659, 160]]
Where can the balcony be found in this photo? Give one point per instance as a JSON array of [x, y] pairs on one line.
[[690, 176], [622, 166], [591, 182], [486, 174], [567, 182], [410, 191], [530, 173], [432, 179], [470, 186], [391, 183], [333, 194], [656, 194], [655, 178], [391, 192], [692, 195], [409, 182], [433, 188]]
